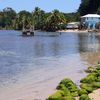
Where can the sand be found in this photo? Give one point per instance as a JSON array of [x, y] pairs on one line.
[[95, 95], [75, 31], [28, 91]]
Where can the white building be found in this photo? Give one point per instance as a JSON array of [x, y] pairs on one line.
[[90, 20], [72, 25]]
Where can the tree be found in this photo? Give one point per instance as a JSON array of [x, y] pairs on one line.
[[98, 11], [54, 21], [24, 19], [38, 17], [8, 16], [89, 6]]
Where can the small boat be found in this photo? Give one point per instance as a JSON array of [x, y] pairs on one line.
[[28, 33]]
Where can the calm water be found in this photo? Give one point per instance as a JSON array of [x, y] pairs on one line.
[[44, 57]]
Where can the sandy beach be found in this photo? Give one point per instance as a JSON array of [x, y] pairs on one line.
[[28, 91], [75, 31], [95, 95], [78, 31], [41, 74]]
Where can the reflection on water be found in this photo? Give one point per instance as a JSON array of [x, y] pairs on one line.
[[68, 52], [89, 42]]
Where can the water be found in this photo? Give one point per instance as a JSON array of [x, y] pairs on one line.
[[42, 58]]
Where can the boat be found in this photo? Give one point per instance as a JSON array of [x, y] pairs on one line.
[[28, 33]]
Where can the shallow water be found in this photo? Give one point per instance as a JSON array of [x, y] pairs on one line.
[[44, 57]]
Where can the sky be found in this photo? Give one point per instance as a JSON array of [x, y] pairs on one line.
[[66, 6]]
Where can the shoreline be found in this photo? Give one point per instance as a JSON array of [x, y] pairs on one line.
[[62, 31], [29, 90], [89, 88], [74, 31]]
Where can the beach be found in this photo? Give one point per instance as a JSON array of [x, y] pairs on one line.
[[32, 67], [74, 31], [39, 92]]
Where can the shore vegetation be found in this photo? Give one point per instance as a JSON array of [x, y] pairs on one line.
[[38, 19], [68, 90]]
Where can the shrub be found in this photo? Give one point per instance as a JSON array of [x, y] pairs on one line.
[[98, 79], [68, 85], [97, 72], [66, 81], [68, 98], [87, 87], [84, 97], [64, 89], [74, 94], [56, 96], [96, 85], [90, 78], [82, 91], [98, 68], [90, 69]]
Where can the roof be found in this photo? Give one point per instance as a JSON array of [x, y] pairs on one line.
[[91, 15]]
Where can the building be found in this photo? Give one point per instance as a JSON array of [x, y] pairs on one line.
[[90, 21], [72, 25]]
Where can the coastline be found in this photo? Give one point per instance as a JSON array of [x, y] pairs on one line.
[[74, 31], [27, 91], [89, 87]]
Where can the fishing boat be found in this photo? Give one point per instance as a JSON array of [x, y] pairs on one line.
[[28, 32]]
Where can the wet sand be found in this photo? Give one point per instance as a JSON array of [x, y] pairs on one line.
[[75, 31], [32, 92], [44, 73]]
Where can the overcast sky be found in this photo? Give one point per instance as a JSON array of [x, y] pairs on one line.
[[46, 5]]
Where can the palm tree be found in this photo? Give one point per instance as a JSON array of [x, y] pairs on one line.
[[24, 19], [55, 20], [36, 17]]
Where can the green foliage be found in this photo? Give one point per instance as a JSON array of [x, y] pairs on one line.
[[38, 19], [96, 85], [7, 18], [68, 90], [98, 67], [89, 6], [82, 91], [84, 97], [55, 20], [98, 11], [68, 98], [98, 79], [56, 96], [72, 17], [69, 86], [87, 87], [90, 78], [64, 89], [90, 69]]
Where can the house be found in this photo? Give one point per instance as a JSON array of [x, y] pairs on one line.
[[72, 25], [90, 21]]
